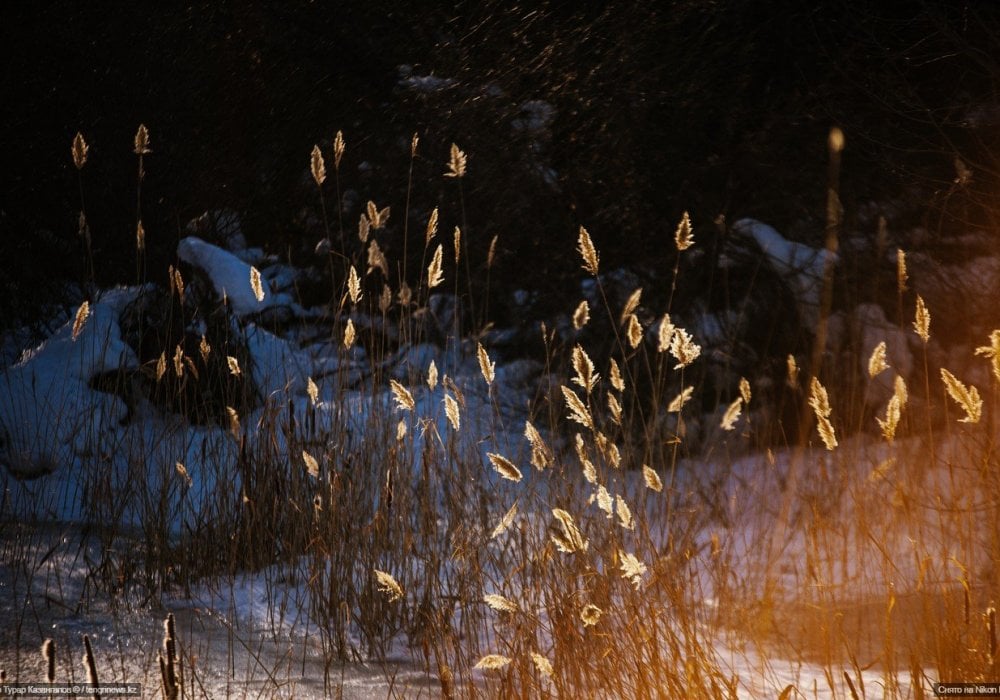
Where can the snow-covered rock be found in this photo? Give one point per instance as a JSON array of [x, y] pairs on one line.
[[802, 266], [276, 364], [230, 277], [48, 410]]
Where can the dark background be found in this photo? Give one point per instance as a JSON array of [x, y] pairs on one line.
[[719, 108]]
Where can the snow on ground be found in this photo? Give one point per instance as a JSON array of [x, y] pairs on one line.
[[75, 443]]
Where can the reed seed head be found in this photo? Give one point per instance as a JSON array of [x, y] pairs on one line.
[[505, 467], [745, 393], [877, 363], [255, 284], [142, 141], [682, 398], [435, 273], [992, 351], [632, 568], [492, 662], [505, 522], [353, 285], [683, 348], [388, 585], [591, 615], [49, 656], [652, 479], [80, 150], [731, 415], [432, 227], [376, 260], [500, 603], [457, 162], [615, 376], [585, 246], [922, 320], [204, 349], [234, 421], [404, 399], [491, 255], [317, 166], [378, 217], [568, 538], [432, 375], [584, 368], [901, 274], [684, 235], [634, 331], [487, 368], [582, 315], [80, 320], [543, 665], [631, 304], [578, 411], [452, 413], [965, 396]]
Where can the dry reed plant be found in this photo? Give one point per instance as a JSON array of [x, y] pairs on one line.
[[610, 568]]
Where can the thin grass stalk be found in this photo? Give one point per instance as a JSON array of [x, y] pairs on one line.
[[806, 418], [141, 149], [91, 666]]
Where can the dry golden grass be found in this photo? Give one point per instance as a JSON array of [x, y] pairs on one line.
[[432, 226], [80, 320], [349, 334], [388, 585], [505, 468], [588, 252], [435, 272], [922, 320], [731, 415], [820, 403], [317, 166], [581, 316], [647, 563], [683, 348], [684, 235], [678, 401], [80, 151], [255, 284], [965, 396], [141, 141], [457, 162], [876, 362]]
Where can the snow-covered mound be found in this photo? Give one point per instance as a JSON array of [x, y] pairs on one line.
[[231, 278], [48, 410]]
